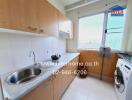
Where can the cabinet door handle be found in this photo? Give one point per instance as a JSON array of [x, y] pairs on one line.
[[32, 29], [41, 31], [50, 79], [55, 76]]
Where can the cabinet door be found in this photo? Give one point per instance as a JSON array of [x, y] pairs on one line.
[[11, 14], [71, 29], [31, 23], [63, 79], [48, 18], [62, 23], [19, 15], [74, 66], [16, 13], [4, 14], [58, 86], [94, 61], [65, 25], [42, 92], [23, 15], [109, 65]]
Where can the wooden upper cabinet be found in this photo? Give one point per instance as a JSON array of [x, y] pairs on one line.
[[65, 25], [31, 16], [37, 16], [19, 15], [48, 18], [4, 14], [24, 15], [16, 13]]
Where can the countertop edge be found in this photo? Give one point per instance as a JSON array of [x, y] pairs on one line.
[[40, 81]]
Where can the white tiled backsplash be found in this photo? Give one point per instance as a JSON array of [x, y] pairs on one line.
[[14, 50]]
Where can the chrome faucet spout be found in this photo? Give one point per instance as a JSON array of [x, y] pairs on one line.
[[34, 56]]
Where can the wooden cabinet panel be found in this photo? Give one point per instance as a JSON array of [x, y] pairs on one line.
[[90, 57], [58, 86], [16, 13], [19, 15], [65, 25], [37, 16], [75, 66], [93, 56], [63, 79], [11, 14], [72, 67], [42, 92], [48, 18], [109, 65], [4, 14], [54, 87], [31, 23]]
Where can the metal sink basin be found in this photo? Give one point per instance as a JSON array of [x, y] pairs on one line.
[[24, 75]]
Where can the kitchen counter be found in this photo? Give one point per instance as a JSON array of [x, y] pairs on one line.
[[126, 56], [17, 91]]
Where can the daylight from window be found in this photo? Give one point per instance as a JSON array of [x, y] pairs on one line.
[[90, 32], [115, 29]]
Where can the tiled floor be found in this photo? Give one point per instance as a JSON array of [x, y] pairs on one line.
[[90, 89]]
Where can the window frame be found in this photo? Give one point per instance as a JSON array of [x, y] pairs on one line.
[[103, 38], [105, 23]]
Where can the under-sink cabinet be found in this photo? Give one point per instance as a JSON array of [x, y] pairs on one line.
[[55, 86]]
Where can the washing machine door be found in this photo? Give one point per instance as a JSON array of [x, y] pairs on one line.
[[119, 80]]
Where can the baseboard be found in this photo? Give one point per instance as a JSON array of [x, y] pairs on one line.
[[104, 78], [108, 79]]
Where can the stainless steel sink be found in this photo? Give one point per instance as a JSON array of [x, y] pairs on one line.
[[24, 75]]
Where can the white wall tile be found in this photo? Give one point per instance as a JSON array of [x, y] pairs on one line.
[[6, 63], [20, 48], [15, 49]]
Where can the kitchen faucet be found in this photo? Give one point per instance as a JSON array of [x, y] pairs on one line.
[[34, 56]]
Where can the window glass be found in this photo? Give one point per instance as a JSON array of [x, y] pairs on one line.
[[115, 29], [90, 32]]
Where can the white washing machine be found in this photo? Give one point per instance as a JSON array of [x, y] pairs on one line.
[[123, 80]]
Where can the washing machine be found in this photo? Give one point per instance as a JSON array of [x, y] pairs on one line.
[[123, 80]]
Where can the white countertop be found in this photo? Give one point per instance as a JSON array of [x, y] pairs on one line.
[[17, 91]]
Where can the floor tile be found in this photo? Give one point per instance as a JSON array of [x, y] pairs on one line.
[[90, 89]]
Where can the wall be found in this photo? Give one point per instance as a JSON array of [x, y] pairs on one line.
[[88, 10], [14, 50], [127, 38], [58, 5]]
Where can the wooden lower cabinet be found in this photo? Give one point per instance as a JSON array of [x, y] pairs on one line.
[[63, 79], [58, 86], [90, 57], [108, 65], [43, 92], [54, 87]]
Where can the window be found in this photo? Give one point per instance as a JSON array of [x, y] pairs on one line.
[[115, 29], [90, 32]]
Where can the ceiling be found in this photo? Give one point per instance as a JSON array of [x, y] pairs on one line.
[[68, 2]]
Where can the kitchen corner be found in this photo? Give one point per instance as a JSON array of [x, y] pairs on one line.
[[12, 91]]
